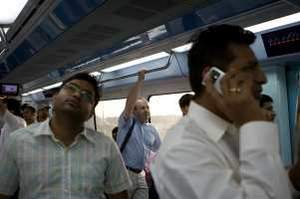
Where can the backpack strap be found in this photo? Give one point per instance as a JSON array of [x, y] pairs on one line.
[[128, 135]]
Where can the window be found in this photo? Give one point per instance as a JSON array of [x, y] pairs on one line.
[[107, 114], [165, 111], [9, 10]]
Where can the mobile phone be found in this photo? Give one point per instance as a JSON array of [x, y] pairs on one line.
[[216, 75]]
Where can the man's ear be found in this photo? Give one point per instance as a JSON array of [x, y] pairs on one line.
[[204, 72], [54, 97], [92, 113]]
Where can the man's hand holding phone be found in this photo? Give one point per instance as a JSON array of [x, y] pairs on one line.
[[216, 76], [235, 97]]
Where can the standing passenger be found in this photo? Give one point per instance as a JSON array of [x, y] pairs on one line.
[[225, 147], [29, 114], [59, 158], [114, 133], [266, 102], [10, 117], [137, 138], [42, 113], [184, 103]]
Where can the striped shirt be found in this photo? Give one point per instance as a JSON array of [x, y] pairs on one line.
[[10, 123], [45, 168]]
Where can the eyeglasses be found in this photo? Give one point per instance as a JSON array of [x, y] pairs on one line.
[[87, 96]]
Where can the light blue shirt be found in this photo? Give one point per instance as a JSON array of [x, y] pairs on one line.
[[143, 140], [44, 168]]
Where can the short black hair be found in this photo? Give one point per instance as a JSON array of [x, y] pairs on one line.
[[31, 108], [210, 48], [86, 77], [23, 106], [13, 105], [185, 100], [265, 99]]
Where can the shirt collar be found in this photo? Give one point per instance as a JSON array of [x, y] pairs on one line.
[[45, 129], [213, 125]]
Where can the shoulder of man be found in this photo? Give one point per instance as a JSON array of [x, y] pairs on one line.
[[125, 120], [152, 127], [98, 137], [27, 131]]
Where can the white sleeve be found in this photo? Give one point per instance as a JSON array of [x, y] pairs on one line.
[[203, 173], [13, 121], [261, 162]]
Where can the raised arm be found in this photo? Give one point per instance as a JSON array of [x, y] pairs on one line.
[[134, 94]]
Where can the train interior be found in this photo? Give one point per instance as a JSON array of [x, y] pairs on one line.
[[51, 40]]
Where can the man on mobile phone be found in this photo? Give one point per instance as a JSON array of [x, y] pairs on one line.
[[225, 147]]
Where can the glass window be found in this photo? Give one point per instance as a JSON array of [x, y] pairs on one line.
[[9, 10], [165, 111], [107, 114]]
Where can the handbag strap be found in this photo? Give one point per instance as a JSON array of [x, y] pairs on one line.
[[128, 135]]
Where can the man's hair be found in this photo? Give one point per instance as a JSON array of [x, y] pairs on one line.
[[210, 48], [185, 100], [23, 106], [31, 108], [13, 105], [86, 77], [264, 99]]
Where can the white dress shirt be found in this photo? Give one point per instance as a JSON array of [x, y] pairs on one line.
[[11, 123], [203, 157]]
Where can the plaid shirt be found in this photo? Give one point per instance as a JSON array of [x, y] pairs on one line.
[[44, 168]]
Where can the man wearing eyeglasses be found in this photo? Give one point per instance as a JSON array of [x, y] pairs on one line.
[[59, 158]]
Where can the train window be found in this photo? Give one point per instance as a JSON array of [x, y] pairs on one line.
[[107, 114], [165, 111]]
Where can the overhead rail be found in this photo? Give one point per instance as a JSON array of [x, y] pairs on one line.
[[166, 66]]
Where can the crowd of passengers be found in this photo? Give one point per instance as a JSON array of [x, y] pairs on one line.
[[224, 147]]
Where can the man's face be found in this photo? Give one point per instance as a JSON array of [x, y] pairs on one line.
[[246, 62], [28, 115], [76, 99], [141, 110], [42, 114], [269, 107]]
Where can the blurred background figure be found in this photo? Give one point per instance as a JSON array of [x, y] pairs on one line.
[[23, 107], [114, 133], [266, 102], [184, 103], [10, 117], [29, 114], [42, 113]]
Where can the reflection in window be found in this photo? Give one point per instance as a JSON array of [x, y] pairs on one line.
[[107, 114], [165, 111]]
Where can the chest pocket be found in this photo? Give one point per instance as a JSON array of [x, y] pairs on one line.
[[149, 138], [92, 177], [38, 168]]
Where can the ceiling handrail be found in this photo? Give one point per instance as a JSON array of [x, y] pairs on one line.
[[166, 66]]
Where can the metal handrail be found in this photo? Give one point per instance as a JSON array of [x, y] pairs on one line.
[[166, 66], [2, 35]]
